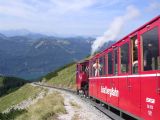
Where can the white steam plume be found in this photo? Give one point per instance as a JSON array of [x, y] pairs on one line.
[[115, 28]]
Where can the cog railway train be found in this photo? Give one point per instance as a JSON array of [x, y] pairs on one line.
[[126, 76]]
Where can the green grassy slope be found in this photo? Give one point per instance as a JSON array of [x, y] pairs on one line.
[[62, 77], [7, 84], [47, 108], [17, 96]]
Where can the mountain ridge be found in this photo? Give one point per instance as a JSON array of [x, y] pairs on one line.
[[31, 58]]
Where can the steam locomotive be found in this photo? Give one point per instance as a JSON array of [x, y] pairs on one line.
[[126, 76]]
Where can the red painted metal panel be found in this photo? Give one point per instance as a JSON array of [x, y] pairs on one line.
[[134, 95], [103, 95], [113, 91], [124, 101], [99, 88], [150, 99], [94, 88], [90, 87]]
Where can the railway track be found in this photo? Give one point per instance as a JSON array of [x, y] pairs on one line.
[[101, 107]]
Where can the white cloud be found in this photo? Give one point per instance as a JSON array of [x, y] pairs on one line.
[[67, 16], [16, 9], [49, 7]]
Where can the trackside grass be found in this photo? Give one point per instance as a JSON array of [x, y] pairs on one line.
[[18, 96], [45, 109], [64, 77]]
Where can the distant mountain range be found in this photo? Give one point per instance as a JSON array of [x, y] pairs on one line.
[[33, 55]]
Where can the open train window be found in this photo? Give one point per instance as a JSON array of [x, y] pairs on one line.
[[134, 55], [124, 52], [110, 63], [98, 67], [150, 50]]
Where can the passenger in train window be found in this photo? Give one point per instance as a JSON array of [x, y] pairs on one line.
[[135, 56], [87, 70], [97, 67], [150, 42], [148, 57]]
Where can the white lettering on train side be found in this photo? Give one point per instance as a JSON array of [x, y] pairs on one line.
[[111, 92], [150, 100]]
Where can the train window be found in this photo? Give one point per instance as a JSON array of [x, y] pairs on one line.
[[151, 58], [134, 55], [92, 71], [102, 65], [110, 63], [83, 68], [124, 58], [115, 62], [97, 67]]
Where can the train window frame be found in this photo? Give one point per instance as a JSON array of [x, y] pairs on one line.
[[93, 61], [134, 44], [141, 48], [129, 56], [91, 73], [104, 66], [110, 51], [106, 56], [115, 50], [83, 68]]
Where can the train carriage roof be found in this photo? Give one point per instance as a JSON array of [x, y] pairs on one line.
[[83, 61]]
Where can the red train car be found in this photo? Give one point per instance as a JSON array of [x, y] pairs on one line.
[[82, 76], [126, 76]]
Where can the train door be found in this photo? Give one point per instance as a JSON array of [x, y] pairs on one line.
[[102, 82], [95, 74], [124, 70], [150, 81], [133, 81], [114, 83], [91, 75], [129, 84], [110, 74]]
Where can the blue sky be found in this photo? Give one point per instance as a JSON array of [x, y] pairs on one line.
[[73, 17]]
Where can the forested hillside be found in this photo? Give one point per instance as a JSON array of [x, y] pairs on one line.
[[9, 84]]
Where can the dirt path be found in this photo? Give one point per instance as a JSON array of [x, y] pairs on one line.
[[78, 109]]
